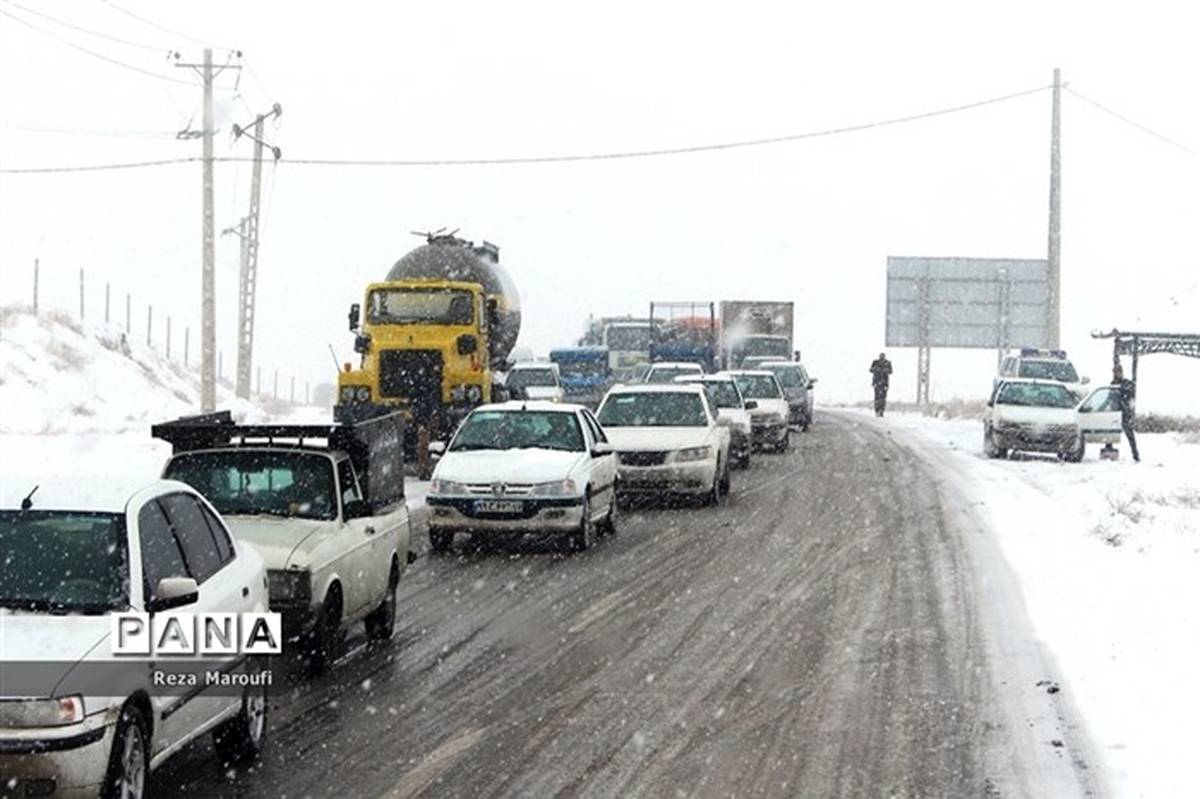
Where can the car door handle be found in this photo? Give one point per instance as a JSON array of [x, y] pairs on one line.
[[245, 591], [369, 530]]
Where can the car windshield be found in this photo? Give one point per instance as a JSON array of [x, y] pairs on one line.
[[721, 393], [419, 307], [557, 430], [1039, 395], [629, 339], [524, 378], [63, 561], [251, 482], [764, 345], [584, 369], [788, 376], [1049, 370], [667, 374], [653, 409], [757, 386]]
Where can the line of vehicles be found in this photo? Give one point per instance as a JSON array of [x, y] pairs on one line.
[[309, 521], [1039, 403]]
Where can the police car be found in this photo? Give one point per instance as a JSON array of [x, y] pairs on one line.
[[1031, 363]]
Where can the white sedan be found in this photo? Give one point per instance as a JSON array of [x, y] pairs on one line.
[[668, 439], [71, 563], [534, 381], [524, 467]]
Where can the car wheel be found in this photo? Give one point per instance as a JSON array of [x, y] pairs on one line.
[[725, 481], [381, 621], [714, 496], [610, 521], [440, 541], [242, 738], [989, 445], [1076, 455], [322, 644], [583, 538], [129, 761]]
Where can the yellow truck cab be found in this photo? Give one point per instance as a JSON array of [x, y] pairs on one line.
[[430, 341]]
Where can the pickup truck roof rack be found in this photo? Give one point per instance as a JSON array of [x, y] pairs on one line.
[[375, 445]]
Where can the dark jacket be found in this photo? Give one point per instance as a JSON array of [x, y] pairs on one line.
[[1126, 397], [881, 369]]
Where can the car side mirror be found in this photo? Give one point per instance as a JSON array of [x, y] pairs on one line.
[[751, 404], [1085, 380], [812, 381], [437, 448], [173, 592], [356, 509], [601, 448], [355, 311]]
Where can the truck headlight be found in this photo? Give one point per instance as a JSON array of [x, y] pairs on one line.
[[23, 713], [362, 394], [556, 488], [444, 487], [474, 393], [346, 394], [458, 393], [693, 454], [289, 585]]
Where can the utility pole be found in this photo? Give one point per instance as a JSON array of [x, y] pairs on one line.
[[248, 274], [1053, 248], [36, 267], [208, 325], [81, 294]]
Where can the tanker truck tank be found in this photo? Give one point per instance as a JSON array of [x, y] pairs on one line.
[[450, 258]]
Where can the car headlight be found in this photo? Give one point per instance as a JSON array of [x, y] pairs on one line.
[[289, 585], [437, 486], [557, 488], [1004, 424], [19, 713], [693, 454], [474, 393]]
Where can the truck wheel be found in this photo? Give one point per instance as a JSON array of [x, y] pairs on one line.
[[583, 538], [382, 621], [128, 762], [242, 738], [322, 644], [440, 541]]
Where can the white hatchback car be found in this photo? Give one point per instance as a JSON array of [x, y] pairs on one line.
[[668, 440], [71, 562], [1044, 416], [524, 467], [769, 418]]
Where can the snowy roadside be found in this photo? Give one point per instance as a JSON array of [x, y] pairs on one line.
[[1105, 555]]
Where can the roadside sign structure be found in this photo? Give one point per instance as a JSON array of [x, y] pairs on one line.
[[1133, 344], [974, 303]]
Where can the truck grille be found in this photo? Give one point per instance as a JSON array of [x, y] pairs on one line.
[[415, 375], [643, 458]]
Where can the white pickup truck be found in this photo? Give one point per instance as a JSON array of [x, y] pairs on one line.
[[329, 518]]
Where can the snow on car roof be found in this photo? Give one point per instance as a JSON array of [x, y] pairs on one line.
[[693, 379], [676, 365], [65, 492], [534, 365], [530, 405], [749, 372], [658, 388]]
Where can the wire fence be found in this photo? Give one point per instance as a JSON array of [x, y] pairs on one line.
[[161, 328]]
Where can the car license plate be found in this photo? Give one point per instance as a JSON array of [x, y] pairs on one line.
[[499, 506]]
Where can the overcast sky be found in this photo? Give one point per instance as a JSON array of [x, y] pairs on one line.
[[812, 221]]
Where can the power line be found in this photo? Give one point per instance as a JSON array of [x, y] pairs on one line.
[[103, 167], [553, 159], [93, 53], [89, 31], [155, 25], [1131, 122]]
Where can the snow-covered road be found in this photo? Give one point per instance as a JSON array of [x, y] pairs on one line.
[[1106, 556]]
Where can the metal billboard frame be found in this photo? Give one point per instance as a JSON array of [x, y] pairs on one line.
[[971, 303]]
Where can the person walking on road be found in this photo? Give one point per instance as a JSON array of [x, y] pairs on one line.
[[1126, 399], [881, 371]]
